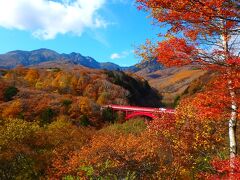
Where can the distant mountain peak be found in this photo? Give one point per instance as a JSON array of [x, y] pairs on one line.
[[17, 51], [43, 50]]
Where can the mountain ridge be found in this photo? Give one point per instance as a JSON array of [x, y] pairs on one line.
[[40, 56]]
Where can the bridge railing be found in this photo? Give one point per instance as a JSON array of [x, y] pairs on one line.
[[140, 109]]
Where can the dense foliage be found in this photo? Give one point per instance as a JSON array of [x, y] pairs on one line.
[[190, 144], [42, 95], [55, 133]]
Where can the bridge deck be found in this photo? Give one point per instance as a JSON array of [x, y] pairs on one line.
[[141, 109]]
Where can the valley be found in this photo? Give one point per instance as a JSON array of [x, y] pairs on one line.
[[168, 83]]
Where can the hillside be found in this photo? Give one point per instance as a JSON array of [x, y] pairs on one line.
[[73, 92], [172, 82]]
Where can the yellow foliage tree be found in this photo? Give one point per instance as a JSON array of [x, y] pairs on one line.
[[103, 98]]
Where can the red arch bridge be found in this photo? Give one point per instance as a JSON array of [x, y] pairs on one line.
[[134, 111]]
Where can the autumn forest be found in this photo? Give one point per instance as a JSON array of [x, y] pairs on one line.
[[54, 123]]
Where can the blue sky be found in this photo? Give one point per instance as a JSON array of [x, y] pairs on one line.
[[106, 30]]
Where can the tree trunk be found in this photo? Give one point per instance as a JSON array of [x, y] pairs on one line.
[[233, 117], [232, 127]]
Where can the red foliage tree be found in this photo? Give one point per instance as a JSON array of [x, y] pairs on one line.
[[209, 31], [223, 170]]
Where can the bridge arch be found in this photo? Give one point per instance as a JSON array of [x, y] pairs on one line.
[[136, 114]]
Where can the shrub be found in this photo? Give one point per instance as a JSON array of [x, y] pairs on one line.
[[84, 121], [176, 101], [66, 102], [109, 115], [9, 93], [3, 72], [46, 116]]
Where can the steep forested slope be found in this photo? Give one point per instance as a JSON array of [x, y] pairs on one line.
[[44, 94]]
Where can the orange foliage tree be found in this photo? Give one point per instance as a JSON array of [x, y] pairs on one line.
[[30, 152], [203, 33], [32, 75], [13, 110], [61, 138], [115, 155]]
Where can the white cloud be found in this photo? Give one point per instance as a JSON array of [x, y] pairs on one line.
[[48, 18], [115, 56], [120, 55]]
